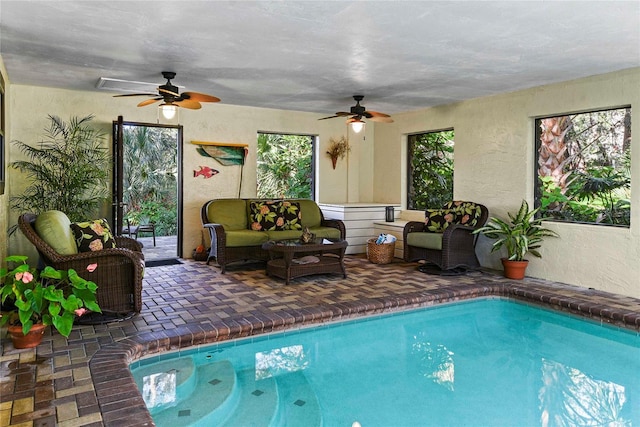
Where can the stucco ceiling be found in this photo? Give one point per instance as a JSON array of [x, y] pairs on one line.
[[314, 55]]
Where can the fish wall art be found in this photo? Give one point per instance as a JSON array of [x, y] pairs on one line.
[[205, 171]]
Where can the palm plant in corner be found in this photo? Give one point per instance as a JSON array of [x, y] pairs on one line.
[[67, 171], [523, 233]]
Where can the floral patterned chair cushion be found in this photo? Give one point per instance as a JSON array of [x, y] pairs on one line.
[[275, 215], [93, 235], [455, 212]]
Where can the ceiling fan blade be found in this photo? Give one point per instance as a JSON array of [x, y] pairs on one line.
[[168, 92], [149, 102], [199, 97], [338, 114], [381, 119], [375, 114], [135, 94], [188, 103]]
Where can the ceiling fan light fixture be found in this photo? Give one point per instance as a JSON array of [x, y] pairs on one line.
[[357, 125], [168, 110]]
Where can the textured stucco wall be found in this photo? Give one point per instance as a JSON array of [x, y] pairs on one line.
[[4, 198], [30, 106], [494, 165]]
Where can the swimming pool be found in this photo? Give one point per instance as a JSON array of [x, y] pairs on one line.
[[487, 362]]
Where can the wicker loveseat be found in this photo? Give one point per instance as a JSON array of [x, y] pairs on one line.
[[237, 233], [445, 237], [119, 270]]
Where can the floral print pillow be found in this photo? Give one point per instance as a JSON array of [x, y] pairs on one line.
[[93, 235], [275, 215], [468, 212], [438, 220]]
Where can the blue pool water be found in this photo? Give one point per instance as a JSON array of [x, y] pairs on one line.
[[481, 363]]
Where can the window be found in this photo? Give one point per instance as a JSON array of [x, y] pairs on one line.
[[584, 167], [430, 169], [285, 166]]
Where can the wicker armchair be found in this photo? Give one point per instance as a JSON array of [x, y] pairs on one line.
[[119, 273], [451, 250]]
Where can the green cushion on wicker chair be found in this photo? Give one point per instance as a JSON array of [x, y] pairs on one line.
[[54, 228]]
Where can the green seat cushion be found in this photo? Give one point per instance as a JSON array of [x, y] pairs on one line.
[[239, 238], [230, 213], [327, 232], [284, 234], [425, 240], [54, 228]]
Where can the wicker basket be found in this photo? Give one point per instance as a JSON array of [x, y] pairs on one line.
[[380, 254]]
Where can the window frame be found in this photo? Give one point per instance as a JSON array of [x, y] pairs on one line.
[[313, 138], [409, 175], [538, 188]]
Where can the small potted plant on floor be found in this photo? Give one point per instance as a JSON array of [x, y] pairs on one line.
[[50, 297], [522, 234]]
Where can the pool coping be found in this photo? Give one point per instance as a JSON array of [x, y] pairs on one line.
[[121, 403]]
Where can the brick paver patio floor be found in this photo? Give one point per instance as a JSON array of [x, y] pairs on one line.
[[84, 380]]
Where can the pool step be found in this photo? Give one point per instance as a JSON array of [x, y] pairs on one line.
[[216, 392], [298, 403], [165, 380], [257, 403]]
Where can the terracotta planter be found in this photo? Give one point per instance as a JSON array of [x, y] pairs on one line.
[[32, 339], [514, 269], [334, 160]]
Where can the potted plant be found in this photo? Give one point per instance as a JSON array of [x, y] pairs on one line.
[[522, 234], [50, 297], [337, 149]]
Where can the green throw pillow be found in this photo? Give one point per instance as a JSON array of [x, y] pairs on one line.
[[93, 235], [53, 228]]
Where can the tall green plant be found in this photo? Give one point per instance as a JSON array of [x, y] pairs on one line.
[[66, 171]]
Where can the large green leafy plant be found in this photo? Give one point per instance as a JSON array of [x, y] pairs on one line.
[[522, 234], [51, 297], [66, 171]]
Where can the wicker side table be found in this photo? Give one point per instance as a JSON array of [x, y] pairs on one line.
[[330, 253]]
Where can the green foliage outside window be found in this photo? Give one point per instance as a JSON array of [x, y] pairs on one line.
[[285, 166], [584, 167], [150, 172], [430, 179]]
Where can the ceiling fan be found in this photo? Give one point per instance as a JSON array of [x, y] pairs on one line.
[[172, 98], [358, 112]]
